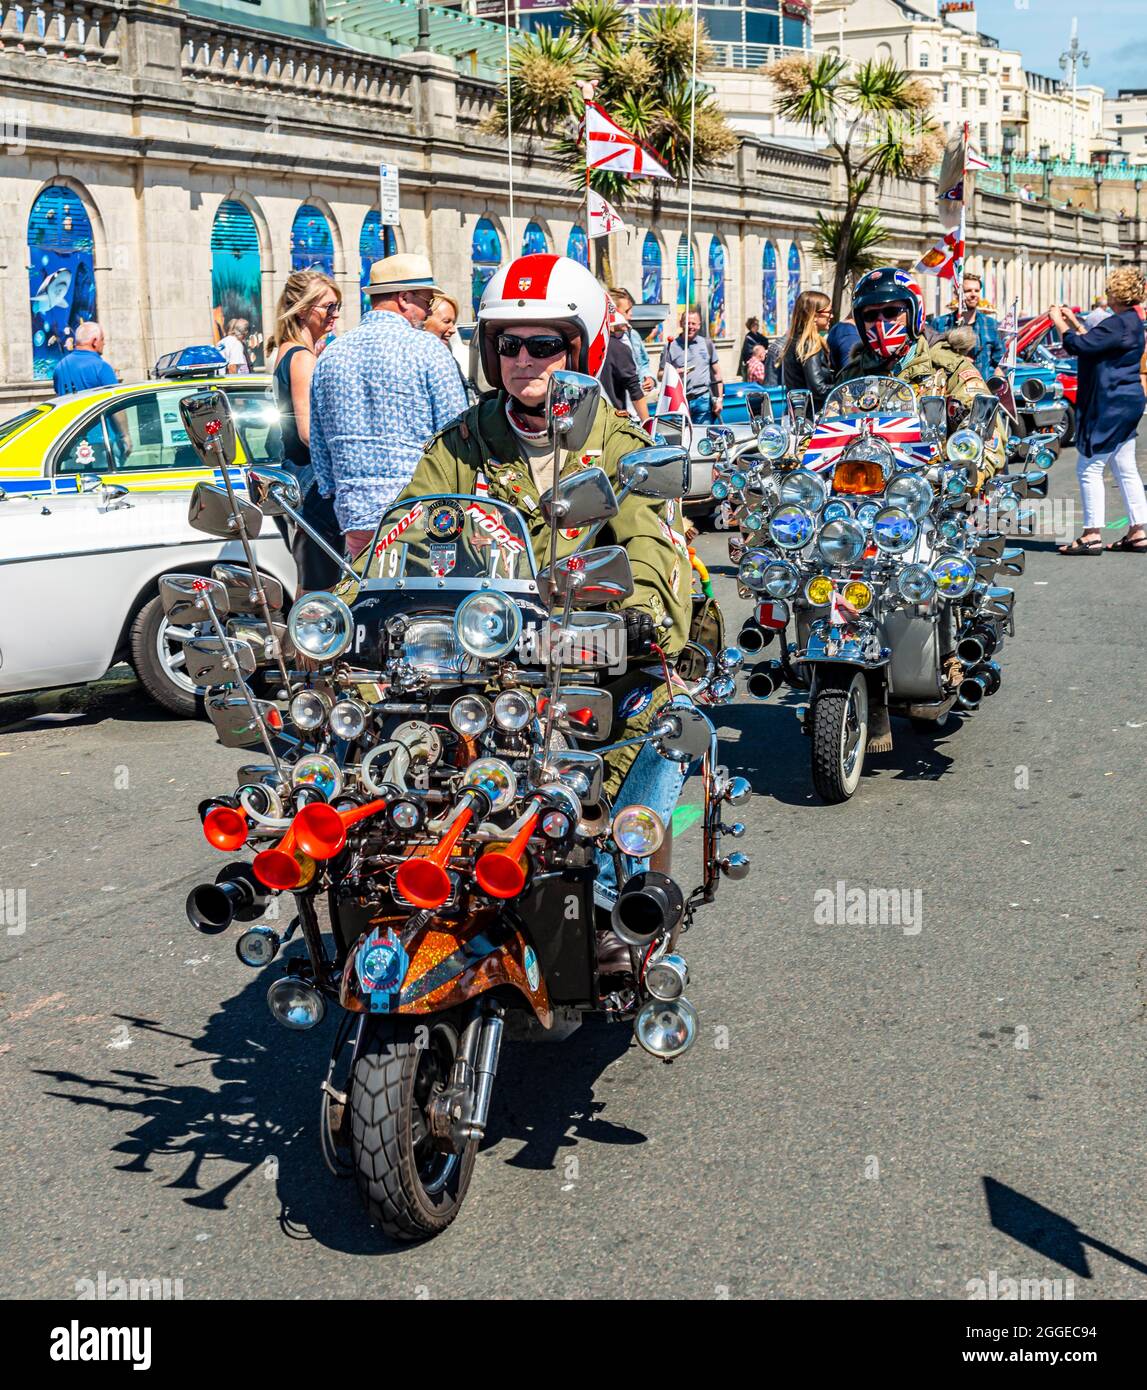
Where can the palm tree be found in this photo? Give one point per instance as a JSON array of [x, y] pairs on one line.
[[641, 75], [862, 252], [875, 120]]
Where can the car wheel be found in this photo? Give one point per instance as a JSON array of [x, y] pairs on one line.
[[161, 663], [1067, 438]]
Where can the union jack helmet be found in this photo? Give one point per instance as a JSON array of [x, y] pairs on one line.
[[546, 289], [889, 286]]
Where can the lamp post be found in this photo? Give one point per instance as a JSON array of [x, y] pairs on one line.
[[1138, 189], [1009, 150], [1071, 58], [1098, 176], [1045, 160]]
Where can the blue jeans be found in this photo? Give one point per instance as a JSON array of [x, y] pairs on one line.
[[652, 781], [701, 409]]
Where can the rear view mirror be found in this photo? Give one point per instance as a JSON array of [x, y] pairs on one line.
[[210, 426], [211, 661], [254, 632], [982, 415], [571, 408], [584, 711], [660, 473], [582, 499], [799, 404], [689, 733], [759, 406], [242, 597], [583, 773], [235, 722], [595, 640], [933, 418], [270, 487], [590, 578], [188, 598], [210, 511]]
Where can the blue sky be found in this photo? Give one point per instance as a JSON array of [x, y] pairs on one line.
[[1113, 32]]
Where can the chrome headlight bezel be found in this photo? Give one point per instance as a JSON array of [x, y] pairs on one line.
[[804, 488], [895, 542], [909, 576], [842, 529], [791, 527], [773, 441], [333, 619], [964, 447], [485, 646], [911, 493], [781, 579], [947, 564], [752, 569]]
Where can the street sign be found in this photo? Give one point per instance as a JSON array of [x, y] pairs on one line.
[[388, 195]]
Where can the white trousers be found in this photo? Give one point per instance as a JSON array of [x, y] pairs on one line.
[[1122, 464]]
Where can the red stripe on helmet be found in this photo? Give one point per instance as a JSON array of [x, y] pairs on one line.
[[529, 276]]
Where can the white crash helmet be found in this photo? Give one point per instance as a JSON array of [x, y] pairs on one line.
[[546, 289]]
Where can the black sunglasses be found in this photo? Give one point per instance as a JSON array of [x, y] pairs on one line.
[[541, 346]]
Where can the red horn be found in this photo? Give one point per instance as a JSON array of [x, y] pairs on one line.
[[284, 868], [320, 830], [225, 828], [424, 881], [501, 873]]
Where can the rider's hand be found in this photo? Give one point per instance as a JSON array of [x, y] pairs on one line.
[[639, 632]]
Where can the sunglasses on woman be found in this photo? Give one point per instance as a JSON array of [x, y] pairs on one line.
[[540, 346]]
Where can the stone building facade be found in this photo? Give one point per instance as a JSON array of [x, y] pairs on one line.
[[153, 118]]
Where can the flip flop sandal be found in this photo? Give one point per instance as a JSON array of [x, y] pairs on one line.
[[1136, 545], [1081, 547]]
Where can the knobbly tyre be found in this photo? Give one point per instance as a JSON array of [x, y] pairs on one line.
[[428, 789], [866, 536]]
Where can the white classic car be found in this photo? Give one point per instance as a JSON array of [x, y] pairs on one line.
[[79, 571]]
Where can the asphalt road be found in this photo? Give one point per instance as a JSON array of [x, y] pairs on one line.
[[870, 1111]]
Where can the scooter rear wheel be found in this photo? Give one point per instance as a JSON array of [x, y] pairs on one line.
[[410, 1187]]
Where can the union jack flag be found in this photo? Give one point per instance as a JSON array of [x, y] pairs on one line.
[[831, 437]]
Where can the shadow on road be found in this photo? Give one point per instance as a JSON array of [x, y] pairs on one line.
[[117, 696], [1046, 1232]]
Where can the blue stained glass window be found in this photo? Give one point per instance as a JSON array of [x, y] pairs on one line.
[[577, 248], [651, 279], [794, 276], [533, 240], [485, 258], [61, 276], [312, 246], [237, 275], [718, 326], [374, 243], [686, 275], [769, 288]]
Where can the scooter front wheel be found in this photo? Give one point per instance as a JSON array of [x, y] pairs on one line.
[[411, 1187], [839, 718]]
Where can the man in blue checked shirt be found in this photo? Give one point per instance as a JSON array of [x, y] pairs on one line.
[[377, 395]]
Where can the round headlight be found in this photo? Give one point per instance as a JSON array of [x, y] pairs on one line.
[[773, 442], [318, 771], [638, 831], [405, 814], [495, 778], [753, 568], [348, 719], [753, 519], [954, 574], [858, 594], [556, 825], [915, 583], [836, 511], [320, 626], [866, 514], [841, 542], [488, 625], [818, 590], [513, 710], [965, 446], [705, 447], [910, 492], [720, 490], [739, 481], [804, 489], [781, 579], [893, 529], [949, 529], [470, 714], [791, 527], [309, 710]]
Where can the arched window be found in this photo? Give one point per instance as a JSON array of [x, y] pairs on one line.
[[375, 242], [485, 258], [312, 246], [769, 288], [686, 275], [236, 275], [651, 279], [533, 240], [577, 248], [718, 326], [61, 275], [794, 276]]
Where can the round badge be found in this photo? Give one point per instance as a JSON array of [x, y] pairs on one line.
[[636, 702], [445, 520]]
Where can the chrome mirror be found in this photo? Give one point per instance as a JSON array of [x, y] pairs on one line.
[[596, 640], [236, 723], [660, 473], [112, 495], [210, 426], [585, 711], [583, 773], [242, 596], [933, 418], [255, 632], [590, 578], [799, 404], [210, 661], [188, 598], [582, 499], [271, 487], [1036, 481], [982, 415], [571, 408], [999, 602], [210, 511], [686, 734], [760, 408], [1013, 561]]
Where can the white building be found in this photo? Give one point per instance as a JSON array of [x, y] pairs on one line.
[[1125, 125]]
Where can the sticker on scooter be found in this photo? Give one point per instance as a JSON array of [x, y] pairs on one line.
[[530, 962]]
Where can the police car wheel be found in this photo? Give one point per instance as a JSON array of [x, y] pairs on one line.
[[160, 663]]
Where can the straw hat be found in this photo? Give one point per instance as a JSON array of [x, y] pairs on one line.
[[393, 274]]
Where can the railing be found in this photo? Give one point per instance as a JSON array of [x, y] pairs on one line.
[[752, 55], [78, 32], [1068, 169], [474, 101]]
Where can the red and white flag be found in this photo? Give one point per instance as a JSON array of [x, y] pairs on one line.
[[607, 146], [946, 258], [672, 400], [840, 610], [603, 216], [1003, 380], [973, 159]]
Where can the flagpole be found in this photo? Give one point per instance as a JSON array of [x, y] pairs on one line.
[[963, 221], [689, 211], [510, 134]]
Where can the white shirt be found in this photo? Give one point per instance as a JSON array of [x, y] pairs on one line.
[[234, 351]]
